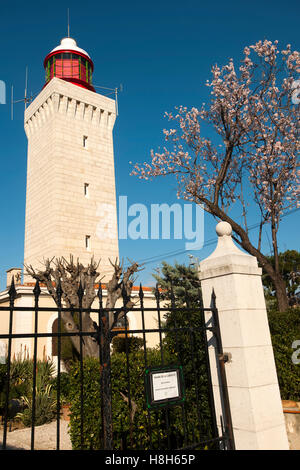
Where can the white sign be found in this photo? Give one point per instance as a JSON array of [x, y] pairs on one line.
[[165, 385]]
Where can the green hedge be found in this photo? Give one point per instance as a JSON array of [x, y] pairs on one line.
[[91, 404], [131, 343], [64, 378], [285, 329], [92, 401], [135, 431]]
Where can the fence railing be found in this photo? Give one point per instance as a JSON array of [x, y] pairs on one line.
[[181, 342]]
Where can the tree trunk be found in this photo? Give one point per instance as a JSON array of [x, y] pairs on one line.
[[281, 295], [90, 347], [277, 279]]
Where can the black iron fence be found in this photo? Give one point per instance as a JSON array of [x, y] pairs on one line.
[[129, 395]]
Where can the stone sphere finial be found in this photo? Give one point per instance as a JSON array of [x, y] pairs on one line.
[[223, 228]]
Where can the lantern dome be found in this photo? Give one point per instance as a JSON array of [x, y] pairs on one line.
[[70, 63]]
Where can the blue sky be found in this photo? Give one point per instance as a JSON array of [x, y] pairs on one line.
[[162, 53]]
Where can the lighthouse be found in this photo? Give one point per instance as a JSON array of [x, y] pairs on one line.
[[70, 193], [70, 196]]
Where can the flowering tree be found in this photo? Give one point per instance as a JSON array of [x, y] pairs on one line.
[[254, 155]]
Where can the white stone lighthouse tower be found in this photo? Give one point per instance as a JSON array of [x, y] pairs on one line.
[[70, 199]]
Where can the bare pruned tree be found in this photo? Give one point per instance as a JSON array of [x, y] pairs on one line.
[[77, 290]]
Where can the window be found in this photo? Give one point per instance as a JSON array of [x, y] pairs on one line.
[[84, 141], [88, 242], [86, 190], [121, 323]]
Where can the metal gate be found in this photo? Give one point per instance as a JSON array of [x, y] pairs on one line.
[[152, 385]]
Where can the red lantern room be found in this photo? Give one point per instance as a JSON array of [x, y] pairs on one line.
[[68, 62]]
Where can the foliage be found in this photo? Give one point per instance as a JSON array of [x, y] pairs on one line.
[[188, 344], [45, 407], [121, 344], [285, 329], [21, 387], [21, 377], [21, 373], [44, 373], [92, 427], [89, 398], [64, 379], [183, 279], [131, 427], [289, 265], [3, 374]]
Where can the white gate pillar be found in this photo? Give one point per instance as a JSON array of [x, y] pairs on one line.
[[256, 410]]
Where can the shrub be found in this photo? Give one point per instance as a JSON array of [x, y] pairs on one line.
[[3, 375], [188, 346], [133, 344], [135, 429], [21, 373], [45, 407], [64, 386], [21, 387], [131, 430], [285, 329], [91, 404], [21, 377]]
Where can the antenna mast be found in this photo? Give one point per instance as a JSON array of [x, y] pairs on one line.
[[12, 103], [113, 91], [25, 99], [26, 83], [68, 22]]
